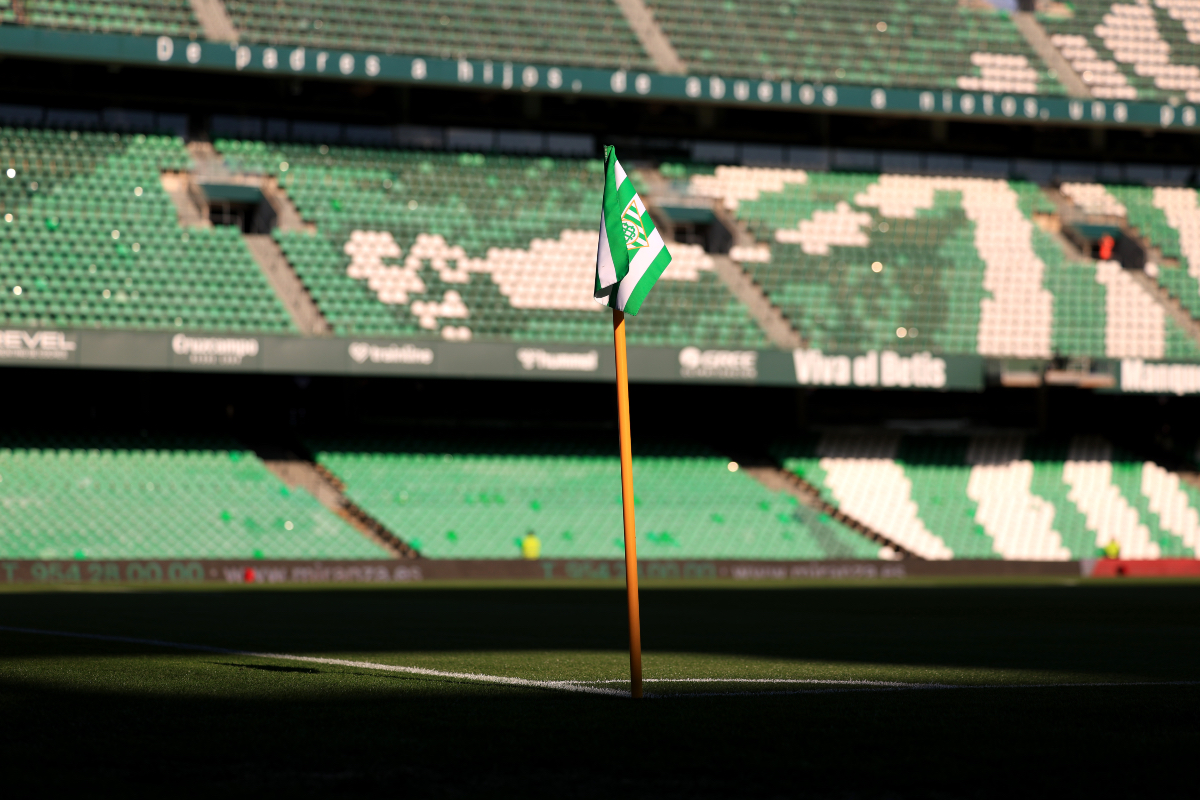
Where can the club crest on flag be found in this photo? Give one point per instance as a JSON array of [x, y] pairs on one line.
[[635, 230], [625, 274]]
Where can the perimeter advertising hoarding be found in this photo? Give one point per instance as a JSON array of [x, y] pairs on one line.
[[190, 351]]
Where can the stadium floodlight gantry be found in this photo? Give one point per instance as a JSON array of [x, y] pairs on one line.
[[473, 246], [576, 32], [90, 238], [861, 261], [203, 499], [459, 498], [1003, 496]]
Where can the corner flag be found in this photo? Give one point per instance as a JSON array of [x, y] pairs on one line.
[[629, 260], [631, 255]]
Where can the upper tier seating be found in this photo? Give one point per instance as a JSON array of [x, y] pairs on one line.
[[861, 261], [476, 498], [467, 246], [574, 33], [82, 498], [923, 43], [1003, 496], [1134, 50], [89, 237], [139, 17]]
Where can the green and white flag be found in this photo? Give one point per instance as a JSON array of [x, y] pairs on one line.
[[631, 254]]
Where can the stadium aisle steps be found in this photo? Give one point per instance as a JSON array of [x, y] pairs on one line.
[[476, 498], [777, 479], [1130, 50], [1141, 321], [1003, 496], [90, 238], [329, 492], [204, 499]]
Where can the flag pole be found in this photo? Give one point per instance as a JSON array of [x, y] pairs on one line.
[[631, 575]]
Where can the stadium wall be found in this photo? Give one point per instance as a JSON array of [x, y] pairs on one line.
[[254, 572], [165, 51]]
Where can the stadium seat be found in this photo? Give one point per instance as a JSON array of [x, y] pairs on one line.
[[861, 261], [475, 497], [139, 17], [575, 33], [105, 498], [89, 238], [1132, 50], [1003, 496], [472, 246], [924, 44]]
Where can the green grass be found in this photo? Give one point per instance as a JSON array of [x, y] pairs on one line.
[[84, 715]]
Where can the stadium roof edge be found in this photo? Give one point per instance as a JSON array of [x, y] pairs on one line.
[[264, 60]]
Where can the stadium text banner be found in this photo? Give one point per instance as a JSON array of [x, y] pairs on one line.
[[547, 78]]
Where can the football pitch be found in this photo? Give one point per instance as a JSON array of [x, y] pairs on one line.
[[990, 688]]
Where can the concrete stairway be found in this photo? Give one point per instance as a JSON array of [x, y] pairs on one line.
[[329, 491], [778, 479]]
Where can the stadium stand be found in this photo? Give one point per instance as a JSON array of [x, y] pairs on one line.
[[476, 247], [102, 498], [475, 498], [90, 238], [863, 261], [1003, 496], [575, 33], [1169, 219], [141, 17], [925, 44], [1141, 50]]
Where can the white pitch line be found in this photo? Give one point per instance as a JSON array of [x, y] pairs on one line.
[[565, 686], [590, 687], [873, 686]]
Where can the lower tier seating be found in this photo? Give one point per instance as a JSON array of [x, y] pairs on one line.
[[456, 498], [1003, 496], [106, 498]]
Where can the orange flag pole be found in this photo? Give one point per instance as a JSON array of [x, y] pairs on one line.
[[631, 575]]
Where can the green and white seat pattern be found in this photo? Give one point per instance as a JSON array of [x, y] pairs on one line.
[[470, 246], [1136, 50], [1003, 496], [90, 238], [470, 500], [1169, 218], [860, 261], [105, 500]]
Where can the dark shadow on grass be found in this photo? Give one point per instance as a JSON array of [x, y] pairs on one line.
[[395, 739], [270, 668], [1139, 631]]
